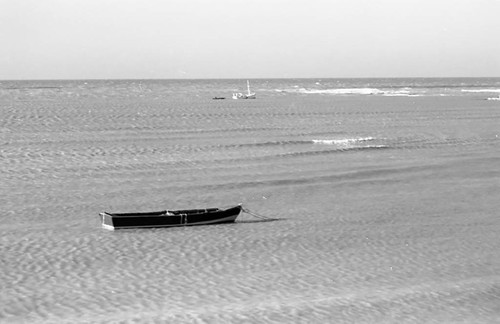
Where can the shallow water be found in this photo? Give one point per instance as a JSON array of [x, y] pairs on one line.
[[387, 205]]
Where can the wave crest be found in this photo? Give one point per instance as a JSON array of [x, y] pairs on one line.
[[351, 91], [343, 141]]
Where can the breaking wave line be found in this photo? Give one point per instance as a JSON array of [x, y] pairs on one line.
[[343, 141]]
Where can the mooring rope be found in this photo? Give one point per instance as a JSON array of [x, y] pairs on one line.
[[246, 210]]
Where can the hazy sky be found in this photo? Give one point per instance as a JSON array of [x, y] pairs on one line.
[[97, 39]]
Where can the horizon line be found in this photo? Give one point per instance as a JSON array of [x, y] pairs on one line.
[[242, 78]]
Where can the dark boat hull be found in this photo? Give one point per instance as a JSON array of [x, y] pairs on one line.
[[166, 218]]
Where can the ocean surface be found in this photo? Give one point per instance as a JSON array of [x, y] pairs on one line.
[[386, 191]]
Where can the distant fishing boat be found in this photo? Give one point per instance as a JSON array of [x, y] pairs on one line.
[[248, 95], [169, 218]]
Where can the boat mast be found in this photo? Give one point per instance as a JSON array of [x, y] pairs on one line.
[[248, 87]]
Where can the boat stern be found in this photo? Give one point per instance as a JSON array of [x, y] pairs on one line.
[[107, 221]]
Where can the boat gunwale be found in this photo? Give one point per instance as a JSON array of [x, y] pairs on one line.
[[167, 213]]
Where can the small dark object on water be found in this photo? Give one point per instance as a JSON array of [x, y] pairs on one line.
[[170, 218], [218, 98]]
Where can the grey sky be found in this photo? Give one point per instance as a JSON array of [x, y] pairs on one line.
[[96, 39]]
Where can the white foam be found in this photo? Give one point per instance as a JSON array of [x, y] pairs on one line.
[[362, 91], [352, 91], [405, 92], [343, 141], [481, 90]]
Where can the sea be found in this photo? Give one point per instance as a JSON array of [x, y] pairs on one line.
[[367, 201]]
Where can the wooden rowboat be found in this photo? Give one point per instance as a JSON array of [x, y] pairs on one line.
[[169, 218]]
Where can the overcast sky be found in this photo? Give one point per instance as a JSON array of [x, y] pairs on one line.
[[102, 39]]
